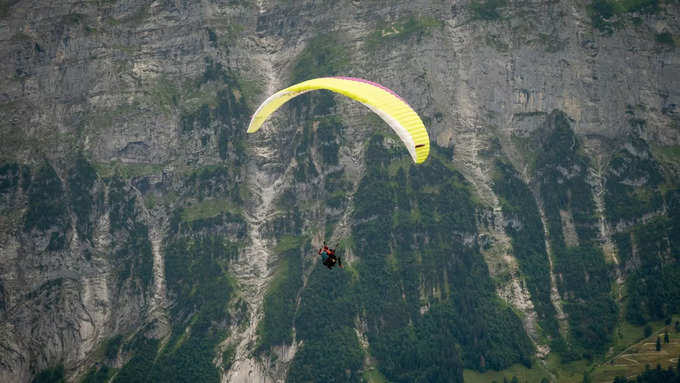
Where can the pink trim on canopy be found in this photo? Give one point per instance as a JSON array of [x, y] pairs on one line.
[[372, 83]]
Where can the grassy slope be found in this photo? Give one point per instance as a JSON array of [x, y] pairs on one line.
[[631, 360], [628, 356]]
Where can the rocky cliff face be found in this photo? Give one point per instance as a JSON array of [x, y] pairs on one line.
[[139, 220]]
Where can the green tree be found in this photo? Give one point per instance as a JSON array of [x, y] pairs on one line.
[[50, 375], [586, 377], [658, 344]]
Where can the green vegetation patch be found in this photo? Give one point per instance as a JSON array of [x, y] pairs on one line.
[[486, 10], [21, 36], [303, 146], [654, 285], [196, 273], [641, 6], [112, 346], [373, 375], [668, 158], [139, 367], [650, 251], [324, 322], [47, 207], [592, 311], [633, 183], [215, 182], [81, 180], [51, 375], [518, 371], [640, 352], [603, 12], [102, 120], [224, 114], [13, 176], [525, 146], [280, 300], [324, 55], [665, 38], [4, 8], [528, 240], [133, 255], [401, 30], [165, 94], [208, 208], [288, 243], [102, 374], [74, 18], [329, 145], [127, 170], [552, 43], [561, 171], [418, 280]]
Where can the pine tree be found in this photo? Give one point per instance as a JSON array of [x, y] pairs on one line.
[[586, 378], [658, 344]]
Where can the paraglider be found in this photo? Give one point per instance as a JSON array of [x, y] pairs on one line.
[[381, 100], [328, 257]]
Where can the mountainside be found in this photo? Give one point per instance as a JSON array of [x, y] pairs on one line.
[[145, 237]]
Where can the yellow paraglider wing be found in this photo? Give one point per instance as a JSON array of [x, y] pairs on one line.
[[384, 102]]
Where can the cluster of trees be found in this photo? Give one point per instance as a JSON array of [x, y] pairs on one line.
[[81, 181], [657, 375], [602, 12], [561, 170], [625, 202], [280, 301], [47, 208], [427, 299], [133, 254], [423, 295], [325, 323], [528, 240], [654, 285], [225, 121], [50, 375], [198, 284]]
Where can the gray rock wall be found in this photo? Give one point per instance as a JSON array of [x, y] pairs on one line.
[[115, 80]]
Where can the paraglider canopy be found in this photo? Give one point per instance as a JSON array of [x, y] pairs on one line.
[[381, 100]]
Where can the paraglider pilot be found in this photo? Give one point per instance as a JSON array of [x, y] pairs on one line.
[[328, 256]]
